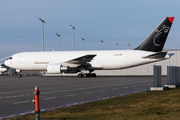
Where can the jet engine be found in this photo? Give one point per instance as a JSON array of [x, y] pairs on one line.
[[56, 69]]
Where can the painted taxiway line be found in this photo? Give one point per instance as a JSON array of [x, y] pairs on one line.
[[21, 102], [102, 90], [115, 88], [76, 103], [49, 98], [88, 92], [70, 95], [75, 89], [125, 87]]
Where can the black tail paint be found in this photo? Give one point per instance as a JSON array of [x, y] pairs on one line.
[[156, 40]]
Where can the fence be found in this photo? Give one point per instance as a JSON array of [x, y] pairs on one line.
[[157, 75], [173, 75]]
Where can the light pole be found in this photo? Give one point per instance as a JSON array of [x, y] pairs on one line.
[[117, 45], [58, 40], [102, 43], [129, 46], [42, 20], [83, 42], [73, 35]]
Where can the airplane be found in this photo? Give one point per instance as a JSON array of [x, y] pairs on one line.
[[3, 68], [58, 62]]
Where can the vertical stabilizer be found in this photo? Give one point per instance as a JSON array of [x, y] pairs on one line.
[[156, 40]]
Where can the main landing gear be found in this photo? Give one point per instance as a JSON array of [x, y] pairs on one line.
[[80, 75]]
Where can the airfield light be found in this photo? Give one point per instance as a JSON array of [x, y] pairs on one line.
[[73, 35], [58, 40], [42, 20]]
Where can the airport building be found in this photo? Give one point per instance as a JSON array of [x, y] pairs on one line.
[[146, 69]]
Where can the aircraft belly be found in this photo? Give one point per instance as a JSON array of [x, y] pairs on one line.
[[127, 62], [41, 67]]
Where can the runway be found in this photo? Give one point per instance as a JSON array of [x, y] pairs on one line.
[[16, 94]]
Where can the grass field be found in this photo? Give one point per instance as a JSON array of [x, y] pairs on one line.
[[154, 105]]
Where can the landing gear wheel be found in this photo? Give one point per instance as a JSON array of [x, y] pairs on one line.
[[93, 75], [80, 75], [19, 75], [87, 75]]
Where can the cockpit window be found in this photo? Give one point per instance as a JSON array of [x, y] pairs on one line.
[[10, 58]]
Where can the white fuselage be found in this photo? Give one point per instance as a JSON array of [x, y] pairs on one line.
[[107, 59]]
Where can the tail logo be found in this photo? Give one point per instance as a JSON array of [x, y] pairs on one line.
[[164, 29]]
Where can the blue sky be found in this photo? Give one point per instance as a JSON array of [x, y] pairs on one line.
[[122, 21]]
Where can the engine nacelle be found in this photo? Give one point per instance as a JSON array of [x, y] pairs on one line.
[[54, 69], [57, 69]]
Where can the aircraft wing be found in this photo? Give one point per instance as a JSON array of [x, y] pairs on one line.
[[83, 60], [158, 55]]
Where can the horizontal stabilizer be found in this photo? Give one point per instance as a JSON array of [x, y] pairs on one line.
[[158, 55], [171, 54]]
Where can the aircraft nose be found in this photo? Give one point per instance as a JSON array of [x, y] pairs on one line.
[[6, 62]]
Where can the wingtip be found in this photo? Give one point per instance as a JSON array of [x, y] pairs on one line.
[[171, 19]]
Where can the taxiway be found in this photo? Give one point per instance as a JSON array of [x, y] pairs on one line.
[[16, 94]]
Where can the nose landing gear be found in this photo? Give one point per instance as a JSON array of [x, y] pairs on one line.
[[19, 75]]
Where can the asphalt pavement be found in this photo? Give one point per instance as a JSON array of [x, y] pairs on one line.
[[16, 94]]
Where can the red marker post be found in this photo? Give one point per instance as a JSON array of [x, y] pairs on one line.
[[36, 102]]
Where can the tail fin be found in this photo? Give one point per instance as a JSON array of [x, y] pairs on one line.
[[156, 40]]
